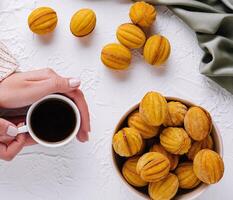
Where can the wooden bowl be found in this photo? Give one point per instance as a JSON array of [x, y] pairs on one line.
[[183, 194]]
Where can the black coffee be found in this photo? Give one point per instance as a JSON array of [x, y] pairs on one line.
[[53, 120]]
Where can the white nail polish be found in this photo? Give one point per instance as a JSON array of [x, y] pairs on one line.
[[74, 82], [12, 131]]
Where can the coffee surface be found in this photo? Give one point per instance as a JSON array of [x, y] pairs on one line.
[[53, 120]]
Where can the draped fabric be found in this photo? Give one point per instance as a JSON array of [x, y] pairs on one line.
[[212, 20]]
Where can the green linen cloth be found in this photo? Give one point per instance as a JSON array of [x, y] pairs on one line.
[[212, 20]]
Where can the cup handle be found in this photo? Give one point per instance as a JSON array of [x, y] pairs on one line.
[[23, 129]]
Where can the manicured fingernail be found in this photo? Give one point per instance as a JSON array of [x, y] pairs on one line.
[[12, 131], [74, 82], [86, 137], [83, 136]]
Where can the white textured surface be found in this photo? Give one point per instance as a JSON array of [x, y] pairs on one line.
[[84, 171]]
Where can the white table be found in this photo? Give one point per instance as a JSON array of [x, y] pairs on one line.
[[84, 171]]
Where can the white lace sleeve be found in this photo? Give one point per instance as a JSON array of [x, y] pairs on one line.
[[8, 64]]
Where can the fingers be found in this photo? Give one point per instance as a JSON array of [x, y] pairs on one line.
[[7, 128], [8, 152], [29, 141], [82, 136], [53, 83], [37, 75], [5, 136], [29, 87], [6, 139], [62, 85], [81, 103], [46, 81]]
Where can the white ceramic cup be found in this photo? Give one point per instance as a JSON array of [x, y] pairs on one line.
[[28, 128]]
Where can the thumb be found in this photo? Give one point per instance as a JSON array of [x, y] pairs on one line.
[[7, 128]]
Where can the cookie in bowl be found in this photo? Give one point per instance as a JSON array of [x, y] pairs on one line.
[[170, 154]]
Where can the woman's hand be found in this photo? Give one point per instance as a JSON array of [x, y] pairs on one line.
[[78, 98], [10, 146], [23, 89]]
